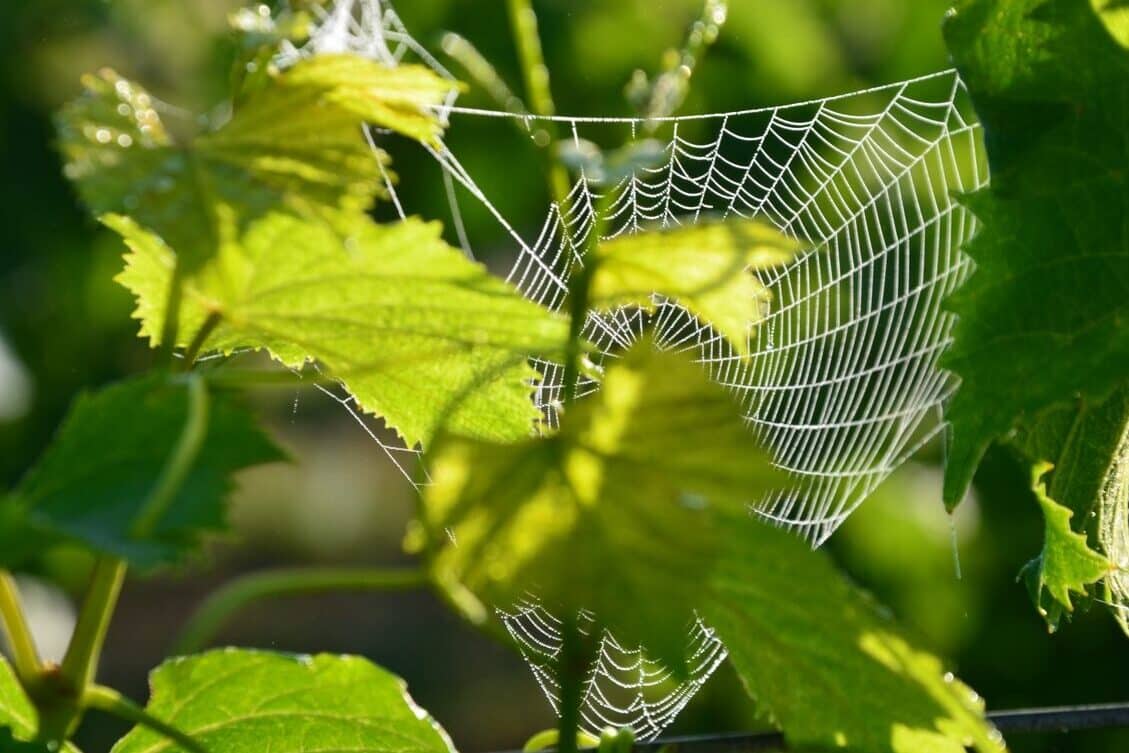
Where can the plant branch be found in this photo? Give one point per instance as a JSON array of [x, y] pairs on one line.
[[579, 298], [483, 73], [218, 608], [180, 462], [206, 329], [661, 97], [523, 22], [81, 661], [573, 662], [25, 657], [112, 702], [170, 327], [572, 691]]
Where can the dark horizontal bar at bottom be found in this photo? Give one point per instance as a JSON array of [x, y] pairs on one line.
[[1058, 719]]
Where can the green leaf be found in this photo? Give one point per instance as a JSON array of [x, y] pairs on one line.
[[615, 514], [235, 701], [401, 99], [825, 662], [1115, 16], [415, 331], [16, 711], [19, 721], [1045, 317], [1113, 530], [1066, 564], [707, 267], [1083, 443], [92, 484], [296, 144], [635, 511]]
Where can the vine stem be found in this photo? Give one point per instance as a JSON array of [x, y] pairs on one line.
[[576, 651], [523, 22], [170, 327], [81, 660], [180, 462], [112, 702], [218, 608], [572, 665], [80, 664], [194, 347], [25, 657]]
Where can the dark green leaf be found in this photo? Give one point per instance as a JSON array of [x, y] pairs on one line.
[[93, 482], [417, 333], [235, 701], [1045, 318]]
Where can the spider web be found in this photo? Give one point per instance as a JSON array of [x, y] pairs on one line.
[[842, 382]]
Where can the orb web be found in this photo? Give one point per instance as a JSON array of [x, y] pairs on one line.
[[624, 688], [842, 381]]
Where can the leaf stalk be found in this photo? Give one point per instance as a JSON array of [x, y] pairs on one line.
[[13, 621], [219, 607], [535, 74], [112, 702], [180, 462], [81, 660]]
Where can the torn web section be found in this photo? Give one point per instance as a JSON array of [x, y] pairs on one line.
[[374, 30], [369, 28], [623, 688]]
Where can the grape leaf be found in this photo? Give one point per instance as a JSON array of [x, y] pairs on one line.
[[16, 711], [236, 701], [613, 513], [707, 267], [1080, 440], [401, 98], [296, 143], [825, 662], [634, 511], [19, 721], [416, 332], [1045, 317], [1082, 443], [1066, 564], [92, 483], [1113, 529]]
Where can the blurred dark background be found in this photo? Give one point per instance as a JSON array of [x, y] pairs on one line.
[[64, 325]]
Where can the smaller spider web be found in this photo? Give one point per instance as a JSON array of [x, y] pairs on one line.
[[623, 687]]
